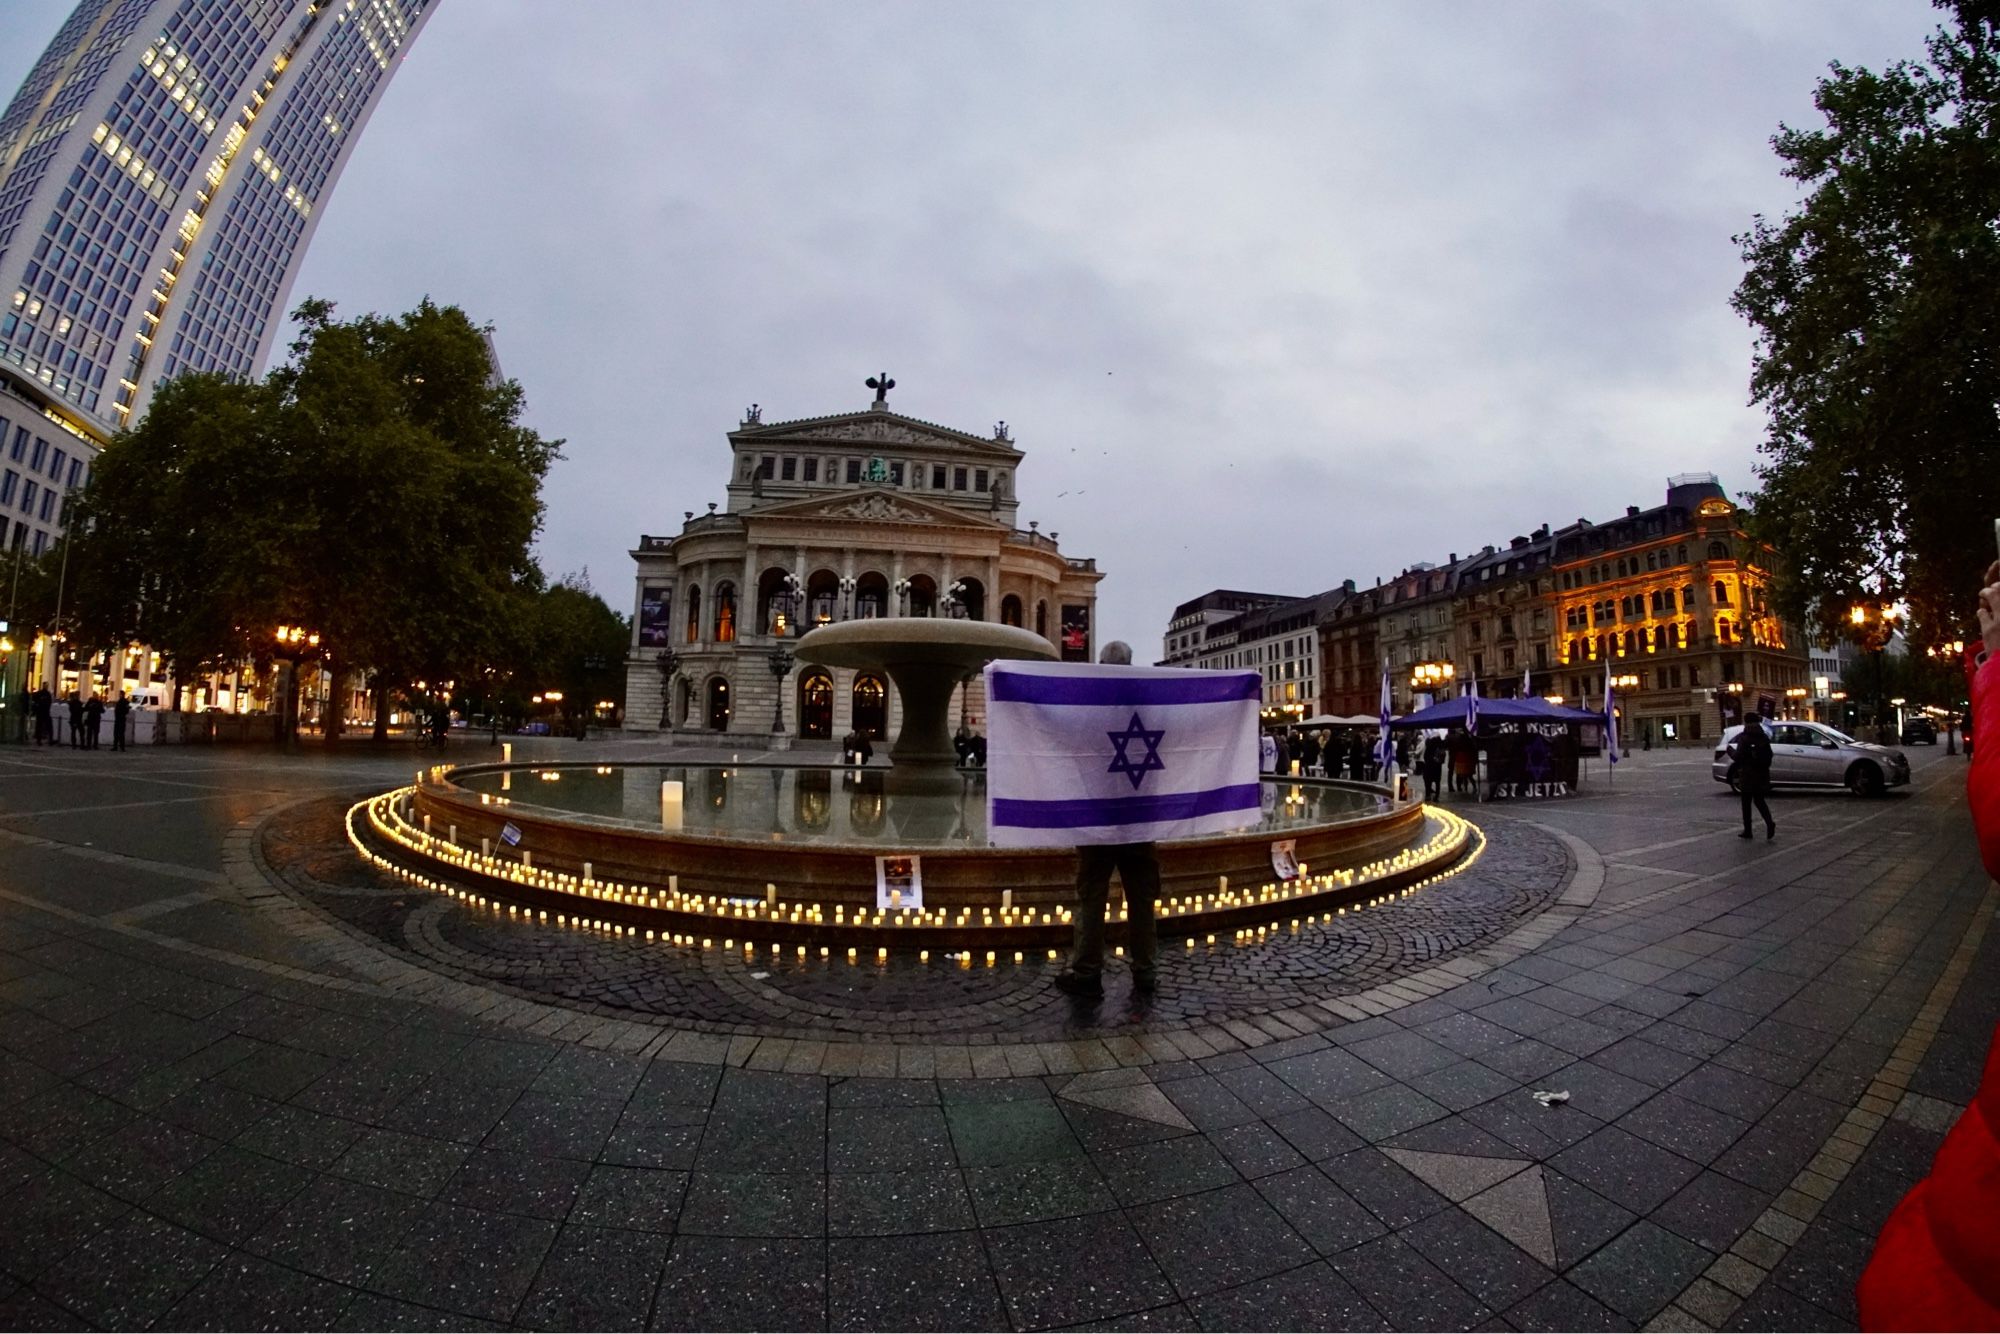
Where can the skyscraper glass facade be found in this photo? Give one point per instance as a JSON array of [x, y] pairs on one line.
[[161, 169]]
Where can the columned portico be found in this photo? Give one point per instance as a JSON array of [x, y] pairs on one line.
[[853, 510]]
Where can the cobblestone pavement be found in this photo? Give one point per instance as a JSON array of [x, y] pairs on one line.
[[723, 990], [230, 1102]]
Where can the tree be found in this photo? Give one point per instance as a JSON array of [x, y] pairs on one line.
[[579, 646], [379, 488], [1875, 309]]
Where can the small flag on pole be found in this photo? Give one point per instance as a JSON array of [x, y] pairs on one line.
[[1472, 706], [1385, 749], [1527, 682], [1610, 719]]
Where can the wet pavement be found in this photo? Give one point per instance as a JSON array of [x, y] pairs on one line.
[[245, 1083]]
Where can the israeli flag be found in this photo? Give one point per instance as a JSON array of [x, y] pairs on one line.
[[1385, 749], [1610, 719], [1080, 753], [1527, 682], [1472, 706]]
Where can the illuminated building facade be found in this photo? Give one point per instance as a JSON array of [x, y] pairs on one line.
[[855, 515], [1677, 599], [161, 171]]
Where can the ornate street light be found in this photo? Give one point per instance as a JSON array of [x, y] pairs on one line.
[[901, 588], [1431, 675], [847, 585], [780, 663]]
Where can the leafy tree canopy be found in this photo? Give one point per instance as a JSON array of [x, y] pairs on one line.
[[378, 487], [1874, 305]]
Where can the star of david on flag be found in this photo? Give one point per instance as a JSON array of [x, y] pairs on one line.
[[1123, 763], [1610, 719], [1087, 753]]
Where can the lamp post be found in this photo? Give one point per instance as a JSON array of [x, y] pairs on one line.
[[954, 600], [669, 664], [1429, 677], [847, 586], [295, 643], [1874, 627], [780, 662], [901, 588], [1952, 653]]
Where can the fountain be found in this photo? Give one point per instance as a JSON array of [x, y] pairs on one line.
[[774, 854], [927, 659]]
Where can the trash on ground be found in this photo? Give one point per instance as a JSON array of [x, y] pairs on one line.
[[1550, 1099]]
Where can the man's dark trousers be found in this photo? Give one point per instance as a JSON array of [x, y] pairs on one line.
[[1138, 867]]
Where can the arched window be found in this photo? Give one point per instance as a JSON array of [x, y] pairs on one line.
[[725, 613], [1010, 610], [718, 704], [871, 596], [694, 615], [775, 613], [1681, 554], [822, 598], [1718, 551], [970, 595], [1721, 593], [922, 596], [1725, 631]]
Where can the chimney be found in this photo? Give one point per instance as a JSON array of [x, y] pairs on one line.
[[1631, 511], [1454, 558]]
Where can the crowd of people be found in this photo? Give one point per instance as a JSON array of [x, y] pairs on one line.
[[80, 719], [1451, 756]]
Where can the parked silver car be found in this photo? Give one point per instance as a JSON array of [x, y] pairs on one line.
[[1814, 755]]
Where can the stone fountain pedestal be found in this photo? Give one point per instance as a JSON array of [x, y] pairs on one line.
[[926, 658]]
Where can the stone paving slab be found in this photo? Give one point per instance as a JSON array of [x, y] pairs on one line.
[[278, 1123]]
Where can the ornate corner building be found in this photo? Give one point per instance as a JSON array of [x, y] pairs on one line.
[[161, 171], [854, 515]]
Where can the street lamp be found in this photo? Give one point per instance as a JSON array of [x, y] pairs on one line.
[[901, 588], [1874, 627], [295, 643], [780, 662], [847, 586], [1430, 675], [1953, 652]]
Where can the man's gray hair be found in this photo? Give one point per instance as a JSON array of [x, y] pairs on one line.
[[1118, 653]]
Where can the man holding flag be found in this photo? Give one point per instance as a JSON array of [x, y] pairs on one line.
[[1107, 760]]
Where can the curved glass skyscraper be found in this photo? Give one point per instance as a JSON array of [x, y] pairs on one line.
[[161, 170]]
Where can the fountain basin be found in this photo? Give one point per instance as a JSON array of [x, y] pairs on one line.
[[789, 886]]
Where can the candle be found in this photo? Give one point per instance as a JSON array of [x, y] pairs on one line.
[[671, 799]]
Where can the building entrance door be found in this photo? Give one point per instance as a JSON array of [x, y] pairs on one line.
[[718, 705], [816, 707], [871, 710]]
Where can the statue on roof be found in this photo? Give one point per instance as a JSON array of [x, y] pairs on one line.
[[881, 384]]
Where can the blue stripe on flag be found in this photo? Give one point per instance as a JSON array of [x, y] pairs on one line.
[[1217, 688], [1092, 812]]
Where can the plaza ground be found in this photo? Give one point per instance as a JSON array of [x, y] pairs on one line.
[[244, 1084]]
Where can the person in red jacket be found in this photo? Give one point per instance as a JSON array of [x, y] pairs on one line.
[[1937, 1261]]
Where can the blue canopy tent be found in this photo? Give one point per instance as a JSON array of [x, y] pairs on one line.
[[1523, 754]]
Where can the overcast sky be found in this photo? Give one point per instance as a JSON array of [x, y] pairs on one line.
[[1272, 295]]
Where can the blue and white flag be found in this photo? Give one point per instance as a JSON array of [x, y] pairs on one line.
[[1610, 719], [1385, 749], [1472, 706], [1081, 753], [1527, 682]]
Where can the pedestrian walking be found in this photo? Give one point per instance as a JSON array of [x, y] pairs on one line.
[[1433, 767], [1752, 751]]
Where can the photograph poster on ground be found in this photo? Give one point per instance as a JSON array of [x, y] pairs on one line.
[[899, 883], [1285, 859]]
